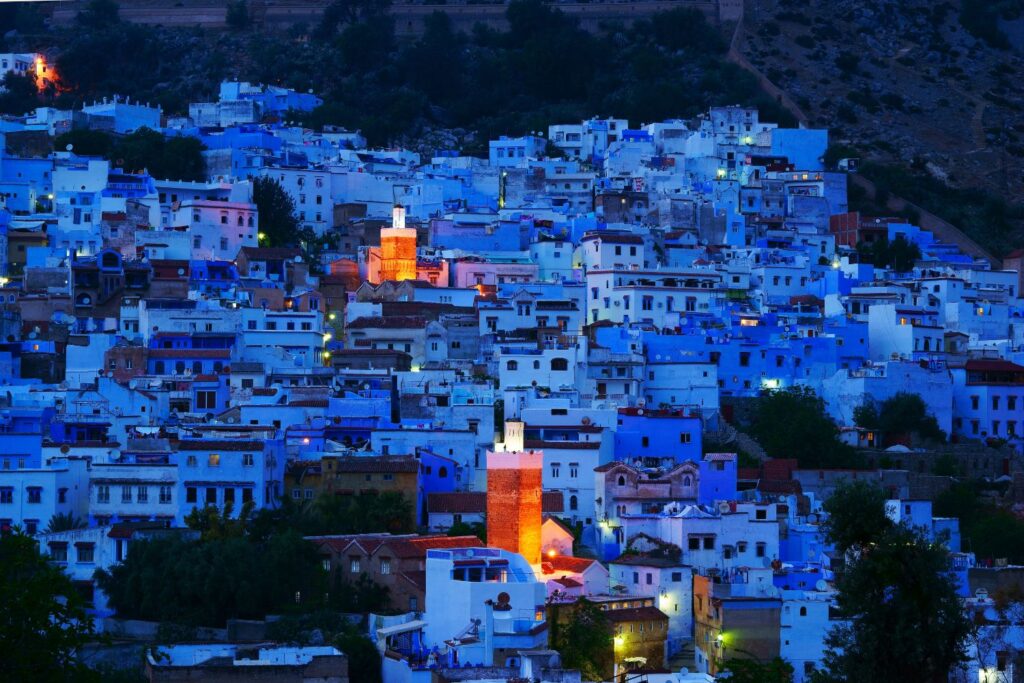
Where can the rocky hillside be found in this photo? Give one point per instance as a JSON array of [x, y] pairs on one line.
[[937, 109]]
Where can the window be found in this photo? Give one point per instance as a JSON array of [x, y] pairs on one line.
[[559, 364], [247, 459], [803, 611], [353, 565], [760, 514], [35, 494], [103, 493], [650, 578], [684, 437], [555, 468], [6, 495], [677, 577], [645, 441], [206, 400], [126, 494], [191, 461], [573, 503], [761, 547], [86, 552], [574, 469], [246, 495], [213, 460], [211, 495], [190, 494], [229, 495], [59, 552], [974, 402], [165, 495], [385, 566], [694, 543], [512, 365], [709, 543], [636, 577]]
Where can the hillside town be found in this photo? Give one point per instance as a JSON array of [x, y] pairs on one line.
[[495, 396]]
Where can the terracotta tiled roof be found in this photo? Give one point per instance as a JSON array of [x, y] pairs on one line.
[[408, 548], [564, 563], [568, 582]]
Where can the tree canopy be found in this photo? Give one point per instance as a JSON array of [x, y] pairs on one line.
[[902, 414], [584, 638], [43, 620], [903, 620], [278, 223], [792, 423], [206, 582]]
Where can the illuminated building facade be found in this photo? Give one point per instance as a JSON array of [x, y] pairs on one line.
[[514, 502], [398, 249]]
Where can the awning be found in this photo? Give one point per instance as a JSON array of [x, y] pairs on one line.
[[408, 626]]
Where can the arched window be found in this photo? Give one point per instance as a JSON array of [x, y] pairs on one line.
[[536, 365], [803, 611], [197, 366], [512, 365], [218, 366], [622, 480], [559, 364], [573, 503], [251, 224], [158, 367], [179, 367], [686, 481], [241, 221]]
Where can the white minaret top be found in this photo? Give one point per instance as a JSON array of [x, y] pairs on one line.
[[398, 216]]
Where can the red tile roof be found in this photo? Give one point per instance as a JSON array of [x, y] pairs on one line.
[[564, 563], [408, 548]]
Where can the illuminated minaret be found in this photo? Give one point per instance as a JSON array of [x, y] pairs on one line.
[[514, 485], [398, 248]]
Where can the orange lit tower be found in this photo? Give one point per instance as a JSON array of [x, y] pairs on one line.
[[514, 485], [398, 248]]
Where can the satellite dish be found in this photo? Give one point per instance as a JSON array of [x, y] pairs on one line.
[[821, 585], [69, 147]]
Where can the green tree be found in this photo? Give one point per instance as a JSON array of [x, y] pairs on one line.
[[478, 529], [278, 223], [902, 413], [776, 670], [19, 95], [896, 581], [584, 638], [238, 14], [206, 582], [177, 158], [362, 596], [792, 423], [43, 620], [215, 523], [856, 512], [64, 521], [85, 142]]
